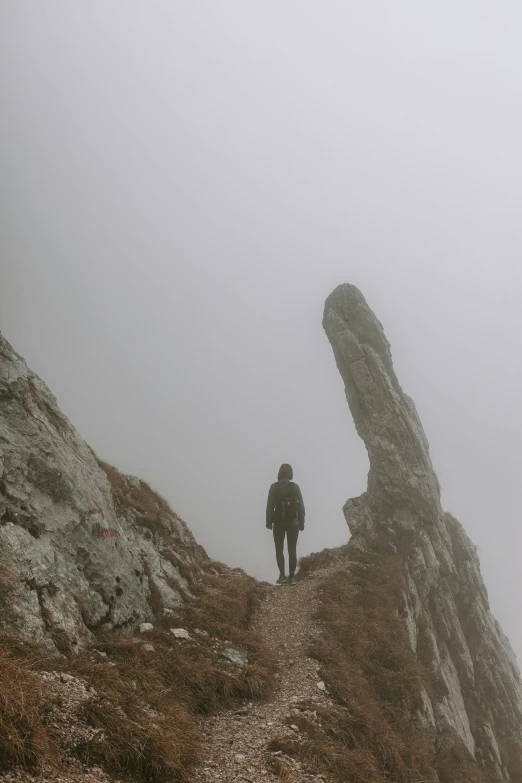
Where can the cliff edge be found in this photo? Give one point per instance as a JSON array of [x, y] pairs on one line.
[[475, 688]]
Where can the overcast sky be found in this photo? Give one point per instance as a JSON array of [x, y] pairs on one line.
[[184, 183]]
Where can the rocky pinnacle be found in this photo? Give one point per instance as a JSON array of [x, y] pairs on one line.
[[474, 694]]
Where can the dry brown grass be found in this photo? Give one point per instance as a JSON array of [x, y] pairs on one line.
[[146, 702], [148, 504], [146, 719], [371, 735], [454, 765], [316, 560], [24, 740], [179, 680], [281, 769]]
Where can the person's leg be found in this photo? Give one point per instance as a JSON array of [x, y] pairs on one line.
[[279, 540], [292, 534]]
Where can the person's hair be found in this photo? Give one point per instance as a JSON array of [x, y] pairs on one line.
[[285, 471]]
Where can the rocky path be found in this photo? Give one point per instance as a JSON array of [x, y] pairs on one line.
[[236, 741]]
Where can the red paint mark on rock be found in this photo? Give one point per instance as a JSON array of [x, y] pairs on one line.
[[104, 532], [97, 510]]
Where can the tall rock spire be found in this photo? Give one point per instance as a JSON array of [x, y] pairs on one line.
[[476, 692]]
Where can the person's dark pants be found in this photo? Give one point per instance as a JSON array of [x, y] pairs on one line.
[[292, 534]]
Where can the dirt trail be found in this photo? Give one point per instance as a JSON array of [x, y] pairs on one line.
[[235, 742]]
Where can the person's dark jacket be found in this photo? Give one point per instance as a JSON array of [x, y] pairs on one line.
[[283, 485]]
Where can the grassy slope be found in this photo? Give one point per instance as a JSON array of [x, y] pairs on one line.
[[371, 733], [146, 703]]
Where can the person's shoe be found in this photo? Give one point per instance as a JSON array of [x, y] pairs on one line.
[[291, 580], [281, 580]]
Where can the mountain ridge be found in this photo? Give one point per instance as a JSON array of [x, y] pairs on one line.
[[418, 681]]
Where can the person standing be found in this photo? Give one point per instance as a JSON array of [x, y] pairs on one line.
[[285, 516]]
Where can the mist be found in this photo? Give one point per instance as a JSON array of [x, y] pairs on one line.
[[182, 186]]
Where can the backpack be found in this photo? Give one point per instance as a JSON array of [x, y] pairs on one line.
[[287, 505]]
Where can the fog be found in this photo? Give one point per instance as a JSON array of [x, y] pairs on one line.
[[183, 183]]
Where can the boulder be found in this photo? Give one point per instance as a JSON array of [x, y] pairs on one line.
[[180, 633], [235, 656]]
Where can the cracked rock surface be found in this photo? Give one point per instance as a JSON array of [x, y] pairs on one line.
[[445, 604], [72, 560]]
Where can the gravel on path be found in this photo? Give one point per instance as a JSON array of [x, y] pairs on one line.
[[235, 742]]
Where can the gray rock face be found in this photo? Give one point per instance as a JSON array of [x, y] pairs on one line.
[[235, 656], [77, 551], [445, 604]]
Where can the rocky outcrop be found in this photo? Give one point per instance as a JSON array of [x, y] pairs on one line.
[[81, 546], [474, 691]]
